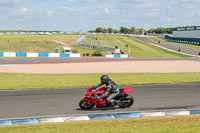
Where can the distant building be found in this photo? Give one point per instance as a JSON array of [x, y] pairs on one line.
[[189, 35], [187, 32]]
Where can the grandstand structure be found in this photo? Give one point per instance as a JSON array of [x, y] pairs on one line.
[[190, 35]]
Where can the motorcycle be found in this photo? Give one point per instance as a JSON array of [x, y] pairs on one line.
[[124, 100]]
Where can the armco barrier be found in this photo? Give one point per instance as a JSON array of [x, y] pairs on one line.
[[118, 56], [16, 54], [99, 116]]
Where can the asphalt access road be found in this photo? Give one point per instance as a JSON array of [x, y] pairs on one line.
[[81, 59], [59, 102], [174, 47]]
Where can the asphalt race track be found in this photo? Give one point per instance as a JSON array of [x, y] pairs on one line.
[[58, 102], [174, 47], [82, 59]]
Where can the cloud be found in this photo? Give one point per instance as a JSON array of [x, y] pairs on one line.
[[170, 19], [89, 14], [111, 11], [189, 1], [68, 8], [50, 13], [106, 11], [151, 14], [151, 4], [22, 11]]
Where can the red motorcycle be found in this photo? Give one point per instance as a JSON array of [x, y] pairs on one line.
[[89, 101]]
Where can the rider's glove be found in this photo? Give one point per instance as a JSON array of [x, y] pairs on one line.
[[97, 97], [93, 88]]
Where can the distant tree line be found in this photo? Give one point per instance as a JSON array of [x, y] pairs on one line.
[[133, 30], [160, 30]]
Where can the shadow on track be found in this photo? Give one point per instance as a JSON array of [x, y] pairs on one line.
[[100, 109]]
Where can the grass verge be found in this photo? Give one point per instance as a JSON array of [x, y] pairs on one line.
[[138, 48], [34, 81], [33, 43], [176, 124], [44, 43]]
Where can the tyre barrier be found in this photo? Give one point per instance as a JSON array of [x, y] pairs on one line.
[[16, 54], [98, 116]]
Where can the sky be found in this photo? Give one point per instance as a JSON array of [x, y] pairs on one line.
[[75, 15]]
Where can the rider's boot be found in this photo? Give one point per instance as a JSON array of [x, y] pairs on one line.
[[110, 103], [116, 102]]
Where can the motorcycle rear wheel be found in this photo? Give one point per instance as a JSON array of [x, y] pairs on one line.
[[83, 105], [127, 102]]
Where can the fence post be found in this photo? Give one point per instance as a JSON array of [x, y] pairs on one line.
[[7, 45], [21, 46], [34, 47], [59, 48], [47, 47]]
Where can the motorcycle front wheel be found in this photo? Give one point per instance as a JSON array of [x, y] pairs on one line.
[[126, 102], [83, 105]]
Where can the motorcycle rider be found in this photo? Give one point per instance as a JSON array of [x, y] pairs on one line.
[[110, 87]]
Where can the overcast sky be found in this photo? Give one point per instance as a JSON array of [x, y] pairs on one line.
[[75, 15]]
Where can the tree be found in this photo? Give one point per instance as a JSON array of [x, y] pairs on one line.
[[110, 30], [116, 31], [99, 29], [122, 30], [92, 31], [133, 30], [126, 30], [169, 30], [105, 30], [139, 31]]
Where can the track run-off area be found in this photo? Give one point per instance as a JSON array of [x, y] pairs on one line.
[[99, 65]]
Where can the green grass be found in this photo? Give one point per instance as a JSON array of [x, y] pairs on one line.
[[138, 48], [40, 43], [183, 44], [34, 81], [14, 44], [87, 50], [181, 124]]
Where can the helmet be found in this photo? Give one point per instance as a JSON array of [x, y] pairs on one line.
[[104, 79]]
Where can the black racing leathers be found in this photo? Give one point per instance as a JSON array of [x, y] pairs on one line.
[[110, 87]]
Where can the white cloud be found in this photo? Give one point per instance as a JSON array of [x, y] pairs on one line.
[[194, 13], [21, 11], [94, 13], [68, 8], [50, 13], [154, 4], [151, 14], [91, 0], [97, 13], [189, 1], [106, 11], [170, 19]]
